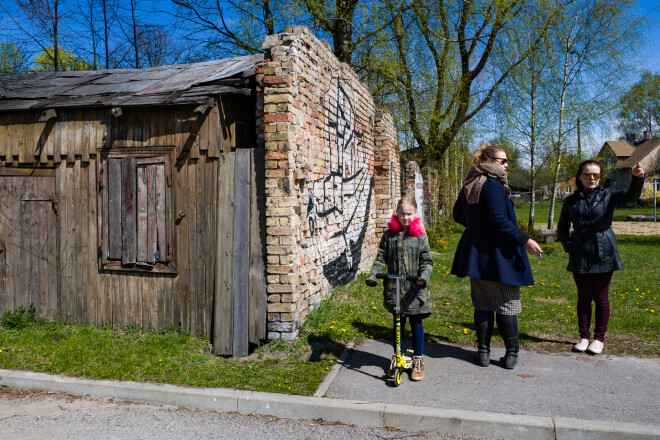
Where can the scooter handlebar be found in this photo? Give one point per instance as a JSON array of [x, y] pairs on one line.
[[384, 276]]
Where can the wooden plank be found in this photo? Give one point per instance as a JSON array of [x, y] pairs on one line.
[[160, 196], [211, 247], [60, 125], [60, 190], [4, 132], [10, 139], [114, 208], [192, 243], [152, 242], [203, 133], [15, 171], [241, 252], [75, 238], [79, 253], [35, 128], [128, 225], [25, 260], [223, 304], [24, 136], [201, 238], [92, 249], [45, 133], [68, 282], [142, 214], [103, 232], [87, 315], [73, 138], [85, 136], [258, 298], [5, 227], [213, 122]]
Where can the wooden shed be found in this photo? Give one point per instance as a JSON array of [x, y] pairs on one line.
[[131, 198]]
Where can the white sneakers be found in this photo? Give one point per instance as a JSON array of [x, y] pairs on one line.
[[596, 347], [582, 345]]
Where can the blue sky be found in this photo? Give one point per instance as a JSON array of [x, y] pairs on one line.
[[650, 56]]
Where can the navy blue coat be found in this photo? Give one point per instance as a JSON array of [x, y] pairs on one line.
[[492, 245]]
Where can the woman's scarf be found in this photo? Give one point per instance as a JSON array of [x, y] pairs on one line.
[[415, 229], [478, 175]]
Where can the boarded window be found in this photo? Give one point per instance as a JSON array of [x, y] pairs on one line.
[[137, 206]]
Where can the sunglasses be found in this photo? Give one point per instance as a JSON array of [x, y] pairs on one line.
[[587, 176], [502, 161]]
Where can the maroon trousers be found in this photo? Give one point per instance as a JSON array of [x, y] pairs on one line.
[[593, 287]]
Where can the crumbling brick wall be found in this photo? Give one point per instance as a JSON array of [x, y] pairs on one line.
[[332, 174]]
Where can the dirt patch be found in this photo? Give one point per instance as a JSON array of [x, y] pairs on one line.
[[636, 228]]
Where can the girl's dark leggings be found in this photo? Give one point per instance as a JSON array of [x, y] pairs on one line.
[[417, 329]]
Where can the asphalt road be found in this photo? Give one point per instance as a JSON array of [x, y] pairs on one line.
[[39, 415]]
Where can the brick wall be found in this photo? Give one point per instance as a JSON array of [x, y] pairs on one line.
[[331, 174]]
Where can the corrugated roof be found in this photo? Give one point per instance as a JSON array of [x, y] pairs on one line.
[[621, 148], [640, 152], [176, 84]]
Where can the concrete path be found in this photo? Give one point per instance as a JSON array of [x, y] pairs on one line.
[[623, 389]]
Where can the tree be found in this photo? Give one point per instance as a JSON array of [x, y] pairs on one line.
[[591, 42], [12, 58], [639, 106], [67, 61], [45, 17]]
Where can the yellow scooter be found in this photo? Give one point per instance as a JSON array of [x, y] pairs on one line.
[[403, 362]]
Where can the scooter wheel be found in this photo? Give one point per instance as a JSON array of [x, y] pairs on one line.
[[397, 377]]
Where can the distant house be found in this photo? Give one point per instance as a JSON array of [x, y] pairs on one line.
[[647, 153], [614, 152]]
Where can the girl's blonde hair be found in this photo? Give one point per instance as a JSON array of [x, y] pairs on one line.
[[486, 153], [406, 200]]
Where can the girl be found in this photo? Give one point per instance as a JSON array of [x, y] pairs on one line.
[[405, 250]]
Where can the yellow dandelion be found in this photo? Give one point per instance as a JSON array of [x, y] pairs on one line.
[[465, 331], [332, 326], [343, 329], [160, 360]]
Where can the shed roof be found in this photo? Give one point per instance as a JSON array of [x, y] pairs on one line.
[[163, 85], [640, 152], [621, 148]]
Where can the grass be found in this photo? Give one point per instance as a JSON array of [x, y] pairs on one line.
[[353, 312], [542, 213]]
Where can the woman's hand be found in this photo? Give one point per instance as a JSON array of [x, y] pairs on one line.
[[533, 247], [638, 171]]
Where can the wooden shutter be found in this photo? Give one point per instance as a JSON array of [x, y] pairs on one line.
[[153, 195]]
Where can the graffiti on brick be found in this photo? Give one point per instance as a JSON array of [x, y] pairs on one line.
[[339, 202]]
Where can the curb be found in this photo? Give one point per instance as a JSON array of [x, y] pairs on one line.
[[374, 414]]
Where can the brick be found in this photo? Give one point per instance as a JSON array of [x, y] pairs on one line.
[[281, 307], [278, 117]]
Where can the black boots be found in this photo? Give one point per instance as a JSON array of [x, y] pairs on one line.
[[508, 327], [483, 325]]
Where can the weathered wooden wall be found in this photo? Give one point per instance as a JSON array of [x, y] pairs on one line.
[[70, 145]]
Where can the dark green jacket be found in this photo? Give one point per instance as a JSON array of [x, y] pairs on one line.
[[404, 254], [592, 246]]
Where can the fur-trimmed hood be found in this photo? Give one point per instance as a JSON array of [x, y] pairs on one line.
[[415, 229]]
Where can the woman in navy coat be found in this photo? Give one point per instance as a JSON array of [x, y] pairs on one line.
[[492, 252]]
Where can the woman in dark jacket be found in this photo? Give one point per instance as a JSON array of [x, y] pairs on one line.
[[492, 252], [591, 247]]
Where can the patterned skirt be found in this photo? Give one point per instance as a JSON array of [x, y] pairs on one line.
[[494, 296]]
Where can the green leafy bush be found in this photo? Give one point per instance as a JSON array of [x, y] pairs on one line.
[[19, 318]]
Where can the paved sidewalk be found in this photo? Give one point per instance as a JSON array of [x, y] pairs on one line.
[[546, 397], [622, 389]]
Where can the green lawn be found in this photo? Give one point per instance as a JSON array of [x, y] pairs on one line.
[[353, 311]]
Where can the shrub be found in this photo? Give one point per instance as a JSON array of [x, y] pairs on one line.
[[438, 235], [19, 318]]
